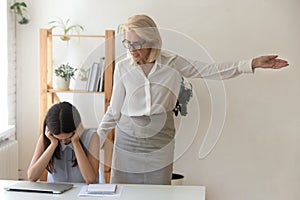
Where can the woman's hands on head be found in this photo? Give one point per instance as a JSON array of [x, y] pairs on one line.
[[270, 61], [52, 139], [78, 133]]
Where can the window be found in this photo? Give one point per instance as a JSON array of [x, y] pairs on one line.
[[7, 78]]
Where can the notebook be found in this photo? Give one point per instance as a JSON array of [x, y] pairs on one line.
[[44, 187], [102, 188]]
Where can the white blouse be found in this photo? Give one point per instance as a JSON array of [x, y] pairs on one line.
[[135, 94]]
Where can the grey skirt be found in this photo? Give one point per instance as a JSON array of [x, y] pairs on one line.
[[144, 150]]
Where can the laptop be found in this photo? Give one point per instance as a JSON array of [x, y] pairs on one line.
[[44, 187]]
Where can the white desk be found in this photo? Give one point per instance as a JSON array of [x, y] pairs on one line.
[[129, 192]]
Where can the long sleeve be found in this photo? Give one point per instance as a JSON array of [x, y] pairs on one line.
[[113, 112], [217, 71]]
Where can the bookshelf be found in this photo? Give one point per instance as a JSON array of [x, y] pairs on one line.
[[48, 95]]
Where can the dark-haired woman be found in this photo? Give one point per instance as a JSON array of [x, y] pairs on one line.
[[68, 151]]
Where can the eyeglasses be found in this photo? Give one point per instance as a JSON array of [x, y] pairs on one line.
[[134, 45]]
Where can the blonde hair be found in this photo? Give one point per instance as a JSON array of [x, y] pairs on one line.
[[146, 29]]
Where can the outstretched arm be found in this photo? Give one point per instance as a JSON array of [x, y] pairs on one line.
[[271, 61], [41, 157], [224, 70]]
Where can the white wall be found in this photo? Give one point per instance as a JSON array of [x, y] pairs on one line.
[[257, 156]]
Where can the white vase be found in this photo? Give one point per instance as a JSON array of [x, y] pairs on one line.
[[62, 84], [24, 17]]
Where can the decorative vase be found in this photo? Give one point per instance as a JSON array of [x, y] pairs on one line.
[[62, 83], [65, 38], [24, 17]]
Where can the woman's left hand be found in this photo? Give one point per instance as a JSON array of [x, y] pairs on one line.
[[75, 138], [77, 134], [269, 62]]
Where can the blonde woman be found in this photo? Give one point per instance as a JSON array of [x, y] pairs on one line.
[[146, 85]]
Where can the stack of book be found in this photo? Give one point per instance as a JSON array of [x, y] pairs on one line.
[[95, 80]]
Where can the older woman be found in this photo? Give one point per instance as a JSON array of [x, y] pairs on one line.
[[146, 85]]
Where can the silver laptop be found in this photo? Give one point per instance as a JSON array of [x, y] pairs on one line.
[[44, 187]]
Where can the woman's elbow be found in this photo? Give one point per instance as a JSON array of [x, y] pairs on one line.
[[91, 180], [31, 177]]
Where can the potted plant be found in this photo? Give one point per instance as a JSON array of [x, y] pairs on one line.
[[63, 75], [65, 27], [20, 8]]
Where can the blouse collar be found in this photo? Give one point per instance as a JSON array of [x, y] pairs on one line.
[[64, 146], [157, 62]]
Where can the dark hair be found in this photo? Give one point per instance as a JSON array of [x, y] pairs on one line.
[[61, 118]]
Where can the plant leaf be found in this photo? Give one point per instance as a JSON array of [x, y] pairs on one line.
[[23, 4], [52, 22]]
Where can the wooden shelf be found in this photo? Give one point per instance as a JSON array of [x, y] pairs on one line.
[[73, 91], [48, 96], [87, 36]]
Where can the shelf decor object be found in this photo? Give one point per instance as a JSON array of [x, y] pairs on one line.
[[66, 28], [20, 9], [64, 73]]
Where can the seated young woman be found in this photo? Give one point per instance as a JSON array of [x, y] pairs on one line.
[[69, 152]]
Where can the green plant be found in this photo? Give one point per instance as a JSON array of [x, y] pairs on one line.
[[20, 9], [120, 28], [65, 71], [65, 27]]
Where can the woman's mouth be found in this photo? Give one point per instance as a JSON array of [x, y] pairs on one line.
[[134, 55]]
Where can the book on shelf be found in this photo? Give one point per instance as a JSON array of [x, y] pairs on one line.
[[88, 74], [95, 80], [101, 78], [93, 74]]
